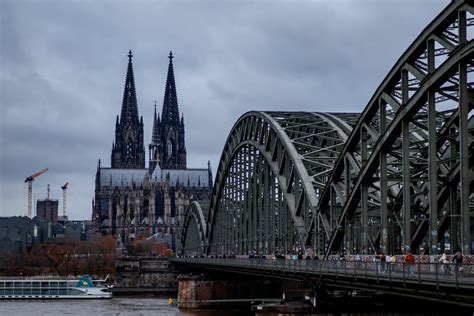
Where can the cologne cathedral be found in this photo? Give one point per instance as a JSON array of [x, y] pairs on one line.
[[132, 200]]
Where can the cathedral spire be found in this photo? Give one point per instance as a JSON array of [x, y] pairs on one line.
[[155, 136], [128, 150], [169, 132], [155, 145], [129, 104], [170, 114]]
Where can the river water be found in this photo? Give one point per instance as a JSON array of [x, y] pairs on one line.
[[117, 306], [129, 306]]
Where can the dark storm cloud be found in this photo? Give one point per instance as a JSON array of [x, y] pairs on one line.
[[63, 63]]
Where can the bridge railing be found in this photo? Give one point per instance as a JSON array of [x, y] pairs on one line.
[[447, 274]]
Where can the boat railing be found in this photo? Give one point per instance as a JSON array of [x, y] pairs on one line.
[[43, 278]]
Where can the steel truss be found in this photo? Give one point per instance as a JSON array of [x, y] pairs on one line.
[[413, 186], [273, 169], [398, 177]]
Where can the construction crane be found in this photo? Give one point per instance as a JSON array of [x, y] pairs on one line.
[[30, 180], [64, 187]]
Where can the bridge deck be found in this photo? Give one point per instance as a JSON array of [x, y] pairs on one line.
[[430, 281]]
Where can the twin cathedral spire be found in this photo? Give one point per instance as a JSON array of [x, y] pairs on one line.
[[167, 148]]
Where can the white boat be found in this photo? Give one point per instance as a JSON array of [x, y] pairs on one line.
[[51, 288]]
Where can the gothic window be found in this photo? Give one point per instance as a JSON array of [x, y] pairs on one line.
[[125, 207], [170, 148], [114, 212], [129, 149]]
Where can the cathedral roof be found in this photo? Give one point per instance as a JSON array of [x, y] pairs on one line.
[[187, 178], [122, 177]]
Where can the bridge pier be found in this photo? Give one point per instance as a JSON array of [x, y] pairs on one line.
[[187, 292], [200, 292], [211, 292]]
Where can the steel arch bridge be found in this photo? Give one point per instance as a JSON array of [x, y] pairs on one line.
[[397, 177]]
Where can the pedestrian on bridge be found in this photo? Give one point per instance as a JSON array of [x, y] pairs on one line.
[[410, 262], [358, 260], [388, 259], [432, 263], [342, 260], [443, 261], [378, 265], [393, 262], [457, 260], [383, 260]]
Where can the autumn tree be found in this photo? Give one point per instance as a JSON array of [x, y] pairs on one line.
[[95, 257]]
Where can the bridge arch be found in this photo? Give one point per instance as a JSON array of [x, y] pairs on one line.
[[402, 137], [268, 182], [397, 177], [193, 234]]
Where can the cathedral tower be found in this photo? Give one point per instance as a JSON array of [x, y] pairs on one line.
[[168, 148], [128, 150]]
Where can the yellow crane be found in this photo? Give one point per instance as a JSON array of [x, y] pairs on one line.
[[64, 188], [30, 180]]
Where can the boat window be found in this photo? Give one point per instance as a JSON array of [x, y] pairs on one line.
[[8, 284], [44, 284], [17, 292], [36, 284], [26, 291], [17, 285], [53, 284], [2, 285], [26, 284], [44, 291], [75, 292], [35, 292], [9, 292]]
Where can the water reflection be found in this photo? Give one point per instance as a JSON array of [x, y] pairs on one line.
[[116, 307]]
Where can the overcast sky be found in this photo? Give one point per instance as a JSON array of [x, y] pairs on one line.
[[63, 66]]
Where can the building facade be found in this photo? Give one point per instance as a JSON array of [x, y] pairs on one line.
[[131, 200], [47, 209], [18, 234]]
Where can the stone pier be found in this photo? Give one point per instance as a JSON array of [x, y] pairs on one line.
[[200, 292], [145, 275]]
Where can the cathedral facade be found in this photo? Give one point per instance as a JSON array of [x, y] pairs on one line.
[[131, 200]]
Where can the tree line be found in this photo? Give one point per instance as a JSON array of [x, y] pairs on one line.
[[92, 257]]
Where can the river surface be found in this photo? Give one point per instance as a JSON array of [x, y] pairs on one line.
[[126, 306], [117, 306]]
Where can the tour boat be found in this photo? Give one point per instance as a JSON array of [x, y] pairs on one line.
[[51, 288]]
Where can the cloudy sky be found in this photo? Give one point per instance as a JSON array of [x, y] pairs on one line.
[[63, 64]]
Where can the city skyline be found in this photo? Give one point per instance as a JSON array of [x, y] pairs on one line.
[[63, 68]]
